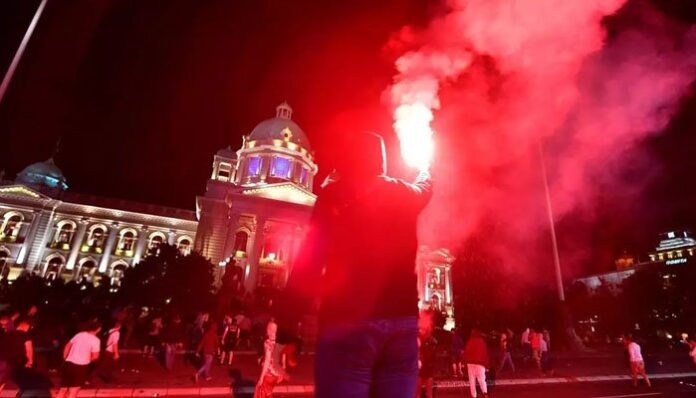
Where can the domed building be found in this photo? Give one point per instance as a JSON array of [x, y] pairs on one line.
[[52, 232], [258, 202]]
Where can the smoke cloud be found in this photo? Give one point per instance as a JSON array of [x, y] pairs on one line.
[[508, 79]]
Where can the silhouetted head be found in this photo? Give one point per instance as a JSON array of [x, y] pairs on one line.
[[360, 155]]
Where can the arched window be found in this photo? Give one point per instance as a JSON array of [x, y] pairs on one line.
[[87, 268], [126, 241], [65, 230], [11, 224], [240, 242], [184, 245], [118, 270], [436, 302], [96, 237], [54, 264], [156, 240]]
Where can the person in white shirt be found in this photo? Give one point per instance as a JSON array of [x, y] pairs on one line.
[[635, 357], [80, 351]]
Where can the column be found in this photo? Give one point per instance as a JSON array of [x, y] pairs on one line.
[[255, 254], [171, 237], [29, 238], [265, 167], [76, 243], [142, 242], [108, 248], [448, 285]]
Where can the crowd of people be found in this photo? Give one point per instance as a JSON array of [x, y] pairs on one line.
[[80, 350]]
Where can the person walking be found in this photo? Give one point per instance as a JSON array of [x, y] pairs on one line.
[[16, 351], [635, 357], [230, 336], [109, 360], [173, 339], [368, 327], [427, 346], [272, 371], [692, 350], [153, 341], [535, 338], [456, 349], [505, 352], [207, 348], [476, 359], [80, 351]]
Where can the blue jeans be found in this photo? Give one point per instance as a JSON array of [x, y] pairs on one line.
[[207, 363], [169, 354], [368, 359]]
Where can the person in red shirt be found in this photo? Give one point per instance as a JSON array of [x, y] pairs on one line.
[[208, 349], [476, 358]]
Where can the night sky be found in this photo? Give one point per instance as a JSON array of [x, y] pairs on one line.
[[144, 92]]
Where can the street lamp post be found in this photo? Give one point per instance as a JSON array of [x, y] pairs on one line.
[[552, 227], [20, 51]]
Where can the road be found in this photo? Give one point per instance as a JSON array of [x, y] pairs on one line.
[[660, 389]]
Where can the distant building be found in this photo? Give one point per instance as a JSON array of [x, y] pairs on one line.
[[676, 247], [434, 269]]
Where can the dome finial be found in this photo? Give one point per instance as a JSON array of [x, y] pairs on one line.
[[284, 111]]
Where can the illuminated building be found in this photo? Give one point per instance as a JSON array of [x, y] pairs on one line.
[[254, 213], [676, 247], [434, 268], [55, 233], [258, 202]]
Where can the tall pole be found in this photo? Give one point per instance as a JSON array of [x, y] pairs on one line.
[[552, 227], [20, 51]]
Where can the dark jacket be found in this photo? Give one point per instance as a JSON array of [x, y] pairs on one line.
[[359, 255]]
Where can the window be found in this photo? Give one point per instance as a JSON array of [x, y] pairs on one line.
[[126, 242], [156, 240], [118, 270], [240, 242], [254, 166], [11, 225], [281, 168], [53, 267], [64, 234], [96, 237], [224, 172], [184, 245], [86, 272], [304, 176]]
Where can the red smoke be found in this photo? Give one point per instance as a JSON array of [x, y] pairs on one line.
[[505, 76]]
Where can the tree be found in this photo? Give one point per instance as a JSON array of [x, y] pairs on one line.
[[169, 280]]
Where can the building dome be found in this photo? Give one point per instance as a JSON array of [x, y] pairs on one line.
[[280, 127], [43, 174]]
